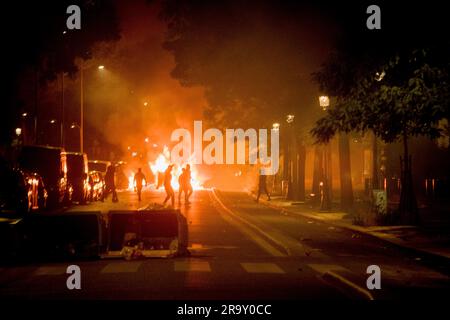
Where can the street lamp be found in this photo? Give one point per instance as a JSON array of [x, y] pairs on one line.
[[276, 126], [18, 131], [82, 69], [325, 184], [324, 102], [145, 103]]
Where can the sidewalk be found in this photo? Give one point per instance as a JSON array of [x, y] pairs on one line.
[[431, 242]]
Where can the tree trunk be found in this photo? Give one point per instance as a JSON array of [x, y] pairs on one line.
[[301, 171], [408, 205], [317, 173], [345, 172], [375, 164]]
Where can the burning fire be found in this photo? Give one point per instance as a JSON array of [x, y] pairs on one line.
[[161, 163]]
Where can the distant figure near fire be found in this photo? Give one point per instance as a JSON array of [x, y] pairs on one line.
[[262, 187], [139, 178], [110, 184], [182, 184], [189, 189], [168, 186]]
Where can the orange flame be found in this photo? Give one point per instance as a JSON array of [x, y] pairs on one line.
[[162, 162]]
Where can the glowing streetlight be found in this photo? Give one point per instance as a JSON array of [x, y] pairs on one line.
[[276, 126], [53, 121], [324, 102], [24, 114], [290, 118], [325, 185], [145, 103], [18, 131], [82, 69], [147, 140], [379, 75]]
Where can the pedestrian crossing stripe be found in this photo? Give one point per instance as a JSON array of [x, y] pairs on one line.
[[262, 268], [50, 270], [122, 267], [178, 266], [192, 266]]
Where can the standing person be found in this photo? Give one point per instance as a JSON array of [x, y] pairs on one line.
[[262, 187], [110, 183], [139, 178], [168, 186], [189, 188], [182, 184]]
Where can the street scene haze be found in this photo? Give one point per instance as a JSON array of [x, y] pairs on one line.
[[225, 150]]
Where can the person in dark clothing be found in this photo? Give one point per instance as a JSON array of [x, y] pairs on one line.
[[139, 178], [189, 189], [262, 187], [110, 184], [168, 186], [182, 184]]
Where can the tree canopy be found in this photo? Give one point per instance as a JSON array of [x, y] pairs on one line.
[[406, 96]]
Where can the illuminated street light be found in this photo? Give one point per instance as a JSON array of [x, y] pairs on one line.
[[290, 118], [18, 131], [276, 126], [82, 69], [146, 140], [74, 125], [379, 75], [52, 121], [145, 103], [324, 102], [24, 114], [325, 185]]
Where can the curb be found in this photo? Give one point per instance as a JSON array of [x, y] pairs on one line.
[[431, 255], [344, 284]]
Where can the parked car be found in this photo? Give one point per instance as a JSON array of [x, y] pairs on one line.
[[77, 174], [99, 165], [96, 186], [21, 192], [51, 164]]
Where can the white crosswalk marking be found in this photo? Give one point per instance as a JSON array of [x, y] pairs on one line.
[[322, 268], [192, 266], [262, 268], [122, 267], [50, 270]]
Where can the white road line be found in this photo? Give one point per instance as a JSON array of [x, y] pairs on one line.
[[249, 229], [122, 267], [50, 270], [192, 266], [262, 268], [322, 268]]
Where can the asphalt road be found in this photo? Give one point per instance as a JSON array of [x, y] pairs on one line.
[[239, 250]]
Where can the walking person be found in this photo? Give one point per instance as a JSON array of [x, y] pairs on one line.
[[262, 187], [110, 183], [139, 179], [168, 186], [189, 190], [182, 184]]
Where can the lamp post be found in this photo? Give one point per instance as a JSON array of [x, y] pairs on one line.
[[82, 69], [325, 184], [290, 155]]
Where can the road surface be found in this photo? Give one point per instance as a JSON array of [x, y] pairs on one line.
[[239, 250]]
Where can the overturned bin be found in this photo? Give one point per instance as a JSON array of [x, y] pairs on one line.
[[147, 233]]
